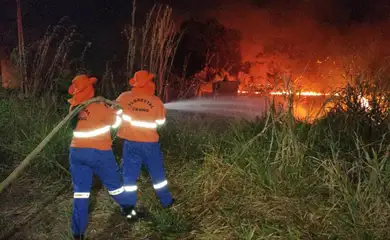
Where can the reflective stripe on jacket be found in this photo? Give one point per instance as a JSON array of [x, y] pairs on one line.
[[94, 125], [142, 114]]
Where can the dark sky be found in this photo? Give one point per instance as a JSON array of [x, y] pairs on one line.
[[94, 15]]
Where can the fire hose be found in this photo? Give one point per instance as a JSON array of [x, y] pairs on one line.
[[21, 167]]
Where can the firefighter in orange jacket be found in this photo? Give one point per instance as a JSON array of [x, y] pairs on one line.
[[90, 152], [143, 112]]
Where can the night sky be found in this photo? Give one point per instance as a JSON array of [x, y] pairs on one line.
[[93, 16], [101, 21]]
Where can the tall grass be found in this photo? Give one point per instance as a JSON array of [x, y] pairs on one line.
[[48, 58], [107, 85], [48, 61], [282, 179], [25, 124], [153, 46]]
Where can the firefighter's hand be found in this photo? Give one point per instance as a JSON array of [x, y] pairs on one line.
[[116, 107]]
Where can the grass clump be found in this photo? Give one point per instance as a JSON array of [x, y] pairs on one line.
[[25, 123]]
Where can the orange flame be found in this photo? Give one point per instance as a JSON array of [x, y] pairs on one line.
[[306, 93], [363, 100], [279, 93]]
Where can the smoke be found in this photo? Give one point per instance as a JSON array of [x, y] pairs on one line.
[[315, 41]]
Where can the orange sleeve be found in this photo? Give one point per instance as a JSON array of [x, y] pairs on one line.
[[108, 115], [160, 110]]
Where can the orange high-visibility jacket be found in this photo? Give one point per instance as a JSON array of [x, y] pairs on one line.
[[142, 114], [93, 127]]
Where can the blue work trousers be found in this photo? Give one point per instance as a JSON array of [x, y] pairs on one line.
[[148, 153], [84, 162]]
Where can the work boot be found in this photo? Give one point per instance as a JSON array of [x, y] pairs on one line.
[[78, 237], [129, 213], [171, 204], [142, 213]]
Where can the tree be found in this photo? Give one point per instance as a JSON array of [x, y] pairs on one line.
[[208, 44]]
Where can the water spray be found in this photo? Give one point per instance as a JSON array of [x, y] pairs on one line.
[[239, 107]]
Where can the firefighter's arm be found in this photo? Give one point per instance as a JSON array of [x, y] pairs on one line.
[[121, 100], [112, 116], [160, 113]]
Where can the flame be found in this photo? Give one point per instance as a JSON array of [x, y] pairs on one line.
[[364, 103], [280, 93], [306, 93], [363, 100]]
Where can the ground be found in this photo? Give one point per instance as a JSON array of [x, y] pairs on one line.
[[43, 209]]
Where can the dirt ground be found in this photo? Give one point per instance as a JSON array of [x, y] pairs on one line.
[[37, 210]]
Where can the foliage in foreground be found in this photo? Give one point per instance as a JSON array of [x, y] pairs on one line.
[[273, 179]]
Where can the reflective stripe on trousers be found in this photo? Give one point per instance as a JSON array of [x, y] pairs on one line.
[[160, 185], [116, 191], [133, 188], [81, 195], [130, 188]]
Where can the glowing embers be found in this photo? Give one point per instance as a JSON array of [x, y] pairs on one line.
[[242, 92], [281, 93], [305, 93], [364, 103]]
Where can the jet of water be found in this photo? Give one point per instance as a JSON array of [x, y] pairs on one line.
[[239, 107]]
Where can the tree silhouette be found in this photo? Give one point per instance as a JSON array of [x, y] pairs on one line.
[[209, 44]]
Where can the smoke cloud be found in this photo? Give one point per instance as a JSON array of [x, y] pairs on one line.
[[318, 42]]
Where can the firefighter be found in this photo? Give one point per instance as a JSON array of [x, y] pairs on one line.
[[91, 153], [143, 112]]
